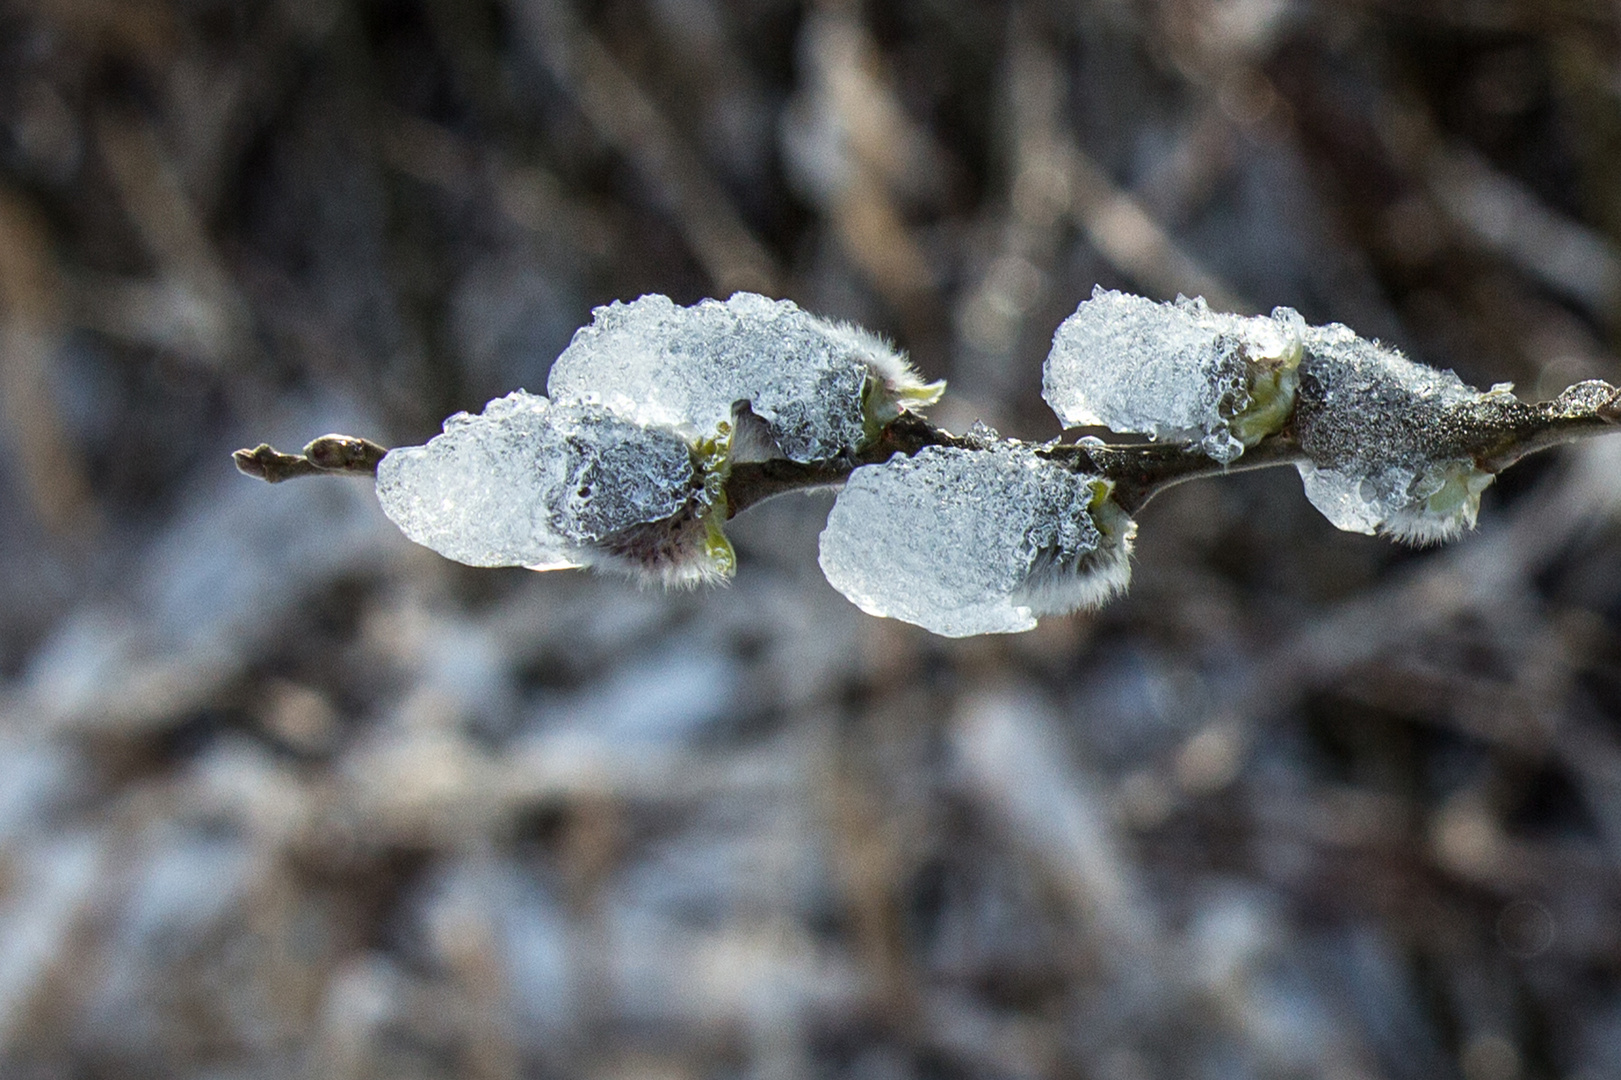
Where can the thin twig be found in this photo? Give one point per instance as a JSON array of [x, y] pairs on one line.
[[1495, 430], [756, 481], [328, 454], [1143, 471], [1586, 409]]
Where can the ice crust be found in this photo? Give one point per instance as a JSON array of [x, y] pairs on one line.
[[1373, 423], [1166, 370], [805, 377], [966, 542], [1375, 426], [531, 483]]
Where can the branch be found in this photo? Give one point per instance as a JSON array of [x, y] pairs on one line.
[[1496, 431], [754, 482], [1582, 411], [1140, 471], [328, 454]]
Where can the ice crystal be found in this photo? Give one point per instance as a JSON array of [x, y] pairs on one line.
[[1174, 371], [966, 542], [821, 389], [531, 483]]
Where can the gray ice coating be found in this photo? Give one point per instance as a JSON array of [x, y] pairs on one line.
[[1375, 426]]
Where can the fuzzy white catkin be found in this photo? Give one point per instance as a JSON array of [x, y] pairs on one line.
[[1166, 370], [818, 386], [965, 542], [1371, 422], [530, 483], [626, 467], [1374, 426]]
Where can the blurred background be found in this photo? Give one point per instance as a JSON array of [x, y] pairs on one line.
[[282, 795]]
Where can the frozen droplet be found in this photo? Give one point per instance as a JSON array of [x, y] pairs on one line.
[[1174, 371], [531, 483], [967, 542], [819, 387]]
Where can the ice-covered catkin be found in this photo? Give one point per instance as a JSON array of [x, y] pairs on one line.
[[1380, 433], [1378, 429], [966, 542], [1174, 371], [821, 389], [531, 483]]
